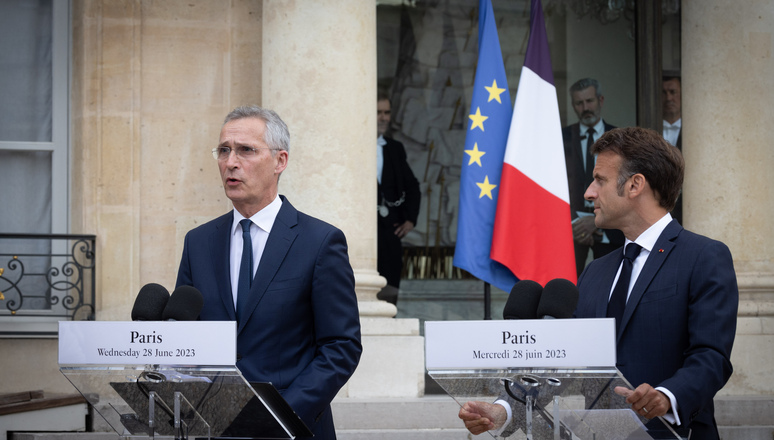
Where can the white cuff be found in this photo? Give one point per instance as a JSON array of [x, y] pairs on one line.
[[509, 411], [672, 416]]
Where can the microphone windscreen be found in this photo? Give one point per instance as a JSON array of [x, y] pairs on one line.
[[184, 305], [560, 297], [523, 300], [150, 302]]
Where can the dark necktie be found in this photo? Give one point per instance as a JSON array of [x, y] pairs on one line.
[[617, 304], [246, 268], [589, 157]]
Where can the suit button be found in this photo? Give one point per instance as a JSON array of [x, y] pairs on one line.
[[239, 357]]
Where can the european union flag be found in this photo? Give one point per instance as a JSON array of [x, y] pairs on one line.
[[489, 121]]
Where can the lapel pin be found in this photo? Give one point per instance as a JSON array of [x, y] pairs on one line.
[[661, 251]]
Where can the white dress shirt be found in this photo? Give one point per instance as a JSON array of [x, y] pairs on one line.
[[260, 228], [380, 143], [672, 131]]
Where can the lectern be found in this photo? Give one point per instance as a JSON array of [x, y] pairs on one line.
[[557, 377], [175, 379]]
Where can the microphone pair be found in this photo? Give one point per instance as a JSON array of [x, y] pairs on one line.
[[154, 303], [530, 300]]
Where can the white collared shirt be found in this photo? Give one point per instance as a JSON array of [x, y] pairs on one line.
[[260, 228], [380, 143], [647, 240], [672, 131]]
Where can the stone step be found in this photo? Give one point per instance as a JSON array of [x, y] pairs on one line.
[[746, 432], [745, 417], [404, 434], [744, 410], [435, 412], [434, 417]]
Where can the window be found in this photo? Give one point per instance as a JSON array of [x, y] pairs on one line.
[[34, 147]]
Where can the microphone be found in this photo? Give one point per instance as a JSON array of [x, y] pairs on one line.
[[184, 304], [150, 303], [560, 297], [523, 300]]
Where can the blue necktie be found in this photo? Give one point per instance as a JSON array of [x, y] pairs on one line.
[[246, 268], [617, 304]]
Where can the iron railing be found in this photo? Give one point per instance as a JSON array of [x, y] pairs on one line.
[[49, 277]]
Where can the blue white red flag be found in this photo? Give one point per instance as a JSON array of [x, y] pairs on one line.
[[533, 231]]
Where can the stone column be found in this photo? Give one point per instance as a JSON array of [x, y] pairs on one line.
[[728, 88], [319, 74]]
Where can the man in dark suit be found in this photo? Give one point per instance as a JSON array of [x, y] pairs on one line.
[[284, 276], [587, 101], [677, 327], [676, 319], [398, 197], [672, 111]]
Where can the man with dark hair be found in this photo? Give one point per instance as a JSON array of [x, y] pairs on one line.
[[587, 101], [283, 276], [672, 111], [677, 318], [398, 200], [672, 293]]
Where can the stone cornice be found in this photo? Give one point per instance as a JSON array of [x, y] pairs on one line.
[[756, 294]]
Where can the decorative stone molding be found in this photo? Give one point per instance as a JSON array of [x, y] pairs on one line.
[[756, 294], [367, 284]]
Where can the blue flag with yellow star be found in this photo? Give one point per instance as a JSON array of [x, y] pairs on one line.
[[482, 164]]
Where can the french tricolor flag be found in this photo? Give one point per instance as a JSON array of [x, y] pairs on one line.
[[532, 230]]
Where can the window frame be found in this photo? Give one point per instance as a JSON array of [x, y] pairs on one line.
[[59, 146]]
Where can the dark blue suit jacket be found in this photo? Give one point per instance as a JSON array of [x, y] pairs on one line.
[[679, 323], [301, 328]]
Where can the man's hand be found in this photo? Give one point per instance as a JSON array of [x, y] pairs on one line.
[[402, 229], [646, 400], [482, 416], [584, 229]]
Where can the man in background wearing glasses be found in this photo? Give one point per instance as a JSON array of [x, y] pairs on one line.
[[283, 276]]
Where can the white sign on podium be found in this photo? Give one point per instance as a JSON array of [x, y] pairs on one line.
[[531, 343], [147, 342]]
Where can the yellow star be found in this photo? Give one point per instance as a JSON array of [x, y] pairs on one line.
[[478, 119], [475, 155], [486, 188], [494, 92]]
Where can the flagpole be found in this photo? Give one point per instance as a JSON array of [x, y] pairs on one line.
[[487, 301]]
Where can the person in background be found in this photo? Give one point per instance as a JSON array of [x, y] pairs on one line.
[[587, 101], [398, 199], [672, 111]]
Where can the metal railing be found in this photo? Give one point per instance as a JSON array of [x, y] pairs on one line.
[[47, 276]]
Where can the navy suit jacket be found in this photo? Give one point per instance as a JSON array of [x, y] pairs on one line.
[[301, 327], [679, 323]]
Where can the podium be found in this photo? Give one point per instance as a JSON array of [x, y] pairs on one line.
[[175, 379], [557, 376]]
